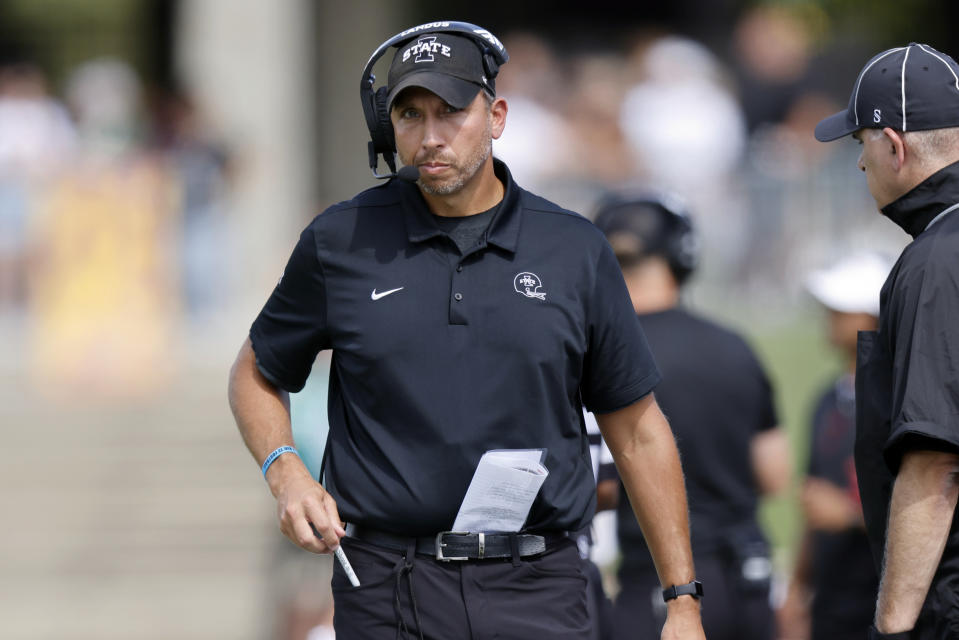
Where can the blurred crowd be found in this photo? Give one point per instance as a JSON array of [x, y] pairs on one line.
[[730, 131], [114, 224]]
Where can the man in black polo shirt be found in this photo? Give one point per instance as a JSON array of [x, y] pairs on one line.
[[464, 314], [904, 111], [719, 403]]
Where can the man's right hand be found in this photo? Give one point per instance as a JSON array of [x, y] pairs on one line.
[[301, 502]]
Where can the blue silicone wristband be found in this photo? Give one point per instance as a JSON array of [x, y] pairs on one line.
[[279, 451]]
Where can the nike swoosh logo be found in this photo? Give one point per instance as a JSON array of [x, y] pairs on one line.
[[377, 296]]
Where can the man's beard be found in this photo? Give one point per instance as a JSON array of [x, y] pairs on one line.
[[463, 173], [462, 176]]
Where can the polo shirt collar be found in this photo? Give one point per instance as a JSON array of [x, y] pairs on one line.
[[504, 228], [926, 201]]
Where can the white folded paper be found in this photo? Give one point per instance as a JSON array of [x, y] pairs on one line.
[[502, 490]]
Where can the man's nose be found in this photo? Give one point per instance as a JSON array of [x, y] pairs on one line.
[[861, 164], [432, 134]]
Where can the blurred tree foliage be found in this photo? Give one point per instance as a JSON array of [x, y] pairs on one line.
[[885, 23], [59, 34]]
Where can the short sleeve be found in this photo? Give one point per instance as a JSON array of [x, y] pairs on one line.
[[619, 368], [926, 362], [291, 328]]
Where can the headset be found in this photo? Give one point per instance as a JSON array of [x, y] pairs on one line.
[[375, 108], [673, 235]]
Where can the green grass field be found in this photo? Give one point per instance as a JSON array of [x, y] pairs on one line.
[[801, 364]]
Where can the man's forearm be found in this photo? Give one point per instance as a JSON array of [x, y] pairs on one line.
[[920, 516], [261, 411], [648, 463], [307, 513], [654, 483]]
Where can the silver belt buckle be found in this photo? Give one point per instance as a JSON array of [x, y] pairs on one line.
[[440, 544]]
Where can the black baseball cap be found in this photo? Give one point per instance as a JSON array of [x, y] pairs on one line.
[[450, 66], [912, 88]]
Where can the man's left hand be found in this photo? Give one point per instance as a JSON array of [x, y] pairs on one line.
[[683, 621]]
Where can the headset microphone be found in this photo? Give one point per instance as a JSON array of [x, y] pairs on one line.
[[409, 173]]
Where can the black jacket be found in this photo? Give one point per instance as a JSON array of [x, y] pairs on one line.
[[907, 383]]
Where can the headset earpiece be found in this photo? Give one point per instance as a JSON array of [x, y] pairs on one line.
[[381, 133]]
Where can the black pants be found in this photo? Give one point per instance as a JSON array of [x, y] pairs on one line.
[[598, 603], [403, 595], [729, 612]]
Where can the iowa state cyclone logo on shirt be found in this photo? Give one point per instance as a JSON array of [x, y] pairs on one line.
[[529, 285]]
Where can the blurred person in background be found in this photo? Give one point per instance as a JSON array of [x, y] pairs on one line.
[[772, 49], [533, 83], [772, 60], [684, 130], [36, 139], [904, 111], [682, 123], [202, 168], [596, 86], [832, 594], [103, 291], [719, 403]]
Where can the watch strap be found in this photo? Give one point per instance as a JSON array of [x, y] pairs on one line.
[[694, 589]]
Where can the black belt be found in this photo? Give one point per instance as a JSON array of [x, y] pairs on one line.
[[459, 545]]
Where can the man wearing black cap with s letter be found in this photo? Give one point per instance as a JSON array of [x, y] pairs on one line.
[[465, 314], [904, 111]]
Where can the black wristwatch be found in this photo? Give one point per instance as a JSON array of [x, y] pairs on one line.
[[694, 589], [875, 635]]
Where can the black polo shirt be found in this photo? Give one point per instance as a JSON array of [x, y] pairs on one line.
[[717, 398], [907, 380], [439, 356]]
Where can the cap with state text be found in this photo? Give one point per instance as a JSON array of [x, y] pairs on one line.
[[449, 65], [911, 88]]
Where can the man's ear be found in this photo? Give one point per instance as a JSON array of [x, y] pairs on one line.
[[897, 146], [498, 117]]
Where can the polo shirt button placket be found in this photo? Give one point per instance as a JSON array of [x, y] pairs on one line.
[[457, 305]]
